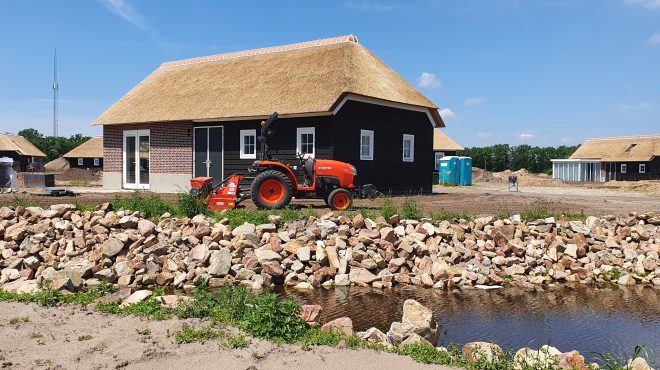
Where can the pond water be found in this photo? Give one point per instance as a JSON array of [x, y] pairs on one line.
[[587, 319]]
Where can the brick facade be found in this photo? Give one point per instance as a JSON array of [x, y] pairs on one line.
[[171, 147]]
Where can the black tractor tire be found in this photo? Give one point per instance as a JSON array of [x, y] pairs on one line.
[[269, 197], [340, 199]]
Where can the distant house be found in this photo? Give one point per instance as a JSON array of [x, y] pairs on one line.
[[623, 158], [87, 155], [22, 151], [443, 146], [335, 99]]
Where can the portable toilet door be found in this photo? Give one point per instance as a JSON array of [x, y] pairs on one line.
[[449, 171], [465, 164]]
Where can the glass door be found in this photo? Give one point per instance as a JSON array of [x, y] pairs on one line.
[[136, 159]]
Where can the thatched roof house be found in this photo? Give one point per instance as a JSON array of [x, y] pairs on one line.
[[20, 149], [620, 149], [443, 145], [612, 158], [335, 99], [304, 78], [86, 155]]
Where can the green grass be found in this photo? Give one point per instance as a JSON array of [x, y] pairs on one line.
[[409, 210], [84, 207], [189, 334], [538, 213], [22, 202], [239, 341], [84, 337], [145, 331], [388, 209], [18, 320], [443, 215], [152, 206]]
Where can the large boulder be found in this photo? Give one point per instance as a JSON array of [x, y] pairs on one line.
[[374, 335], [220, 262], [311, 313], [545, 356], [146, 227], [112, 247], [420, 317], [246, 228], [266, 255], [342, 325], [362, 275], [399, 331], [16, 232], [482, 350]]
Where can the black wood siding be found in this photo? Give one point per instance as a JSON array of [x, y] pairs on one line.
[[386, 171], [87, 163], [613, 170], [20, 161], [338, 137]]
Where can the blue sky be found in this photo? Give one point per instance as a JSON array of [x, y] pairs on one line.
[[503, 71]]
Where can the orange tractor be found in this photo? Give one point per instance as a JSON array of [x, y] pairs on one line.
[[272, 182]]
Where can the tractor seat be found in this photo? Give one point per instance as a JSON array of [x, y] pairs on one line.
[[308, 167]]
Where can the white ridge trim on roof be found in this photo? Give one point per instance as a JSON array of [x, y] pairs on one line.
[[624, 137], [260, 51]]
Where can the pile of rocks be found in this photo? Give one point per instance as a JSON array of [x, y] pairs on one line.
[[70, 249]]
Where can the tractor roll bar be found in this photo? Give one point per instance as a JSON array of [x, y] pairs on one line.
[[263, 136]]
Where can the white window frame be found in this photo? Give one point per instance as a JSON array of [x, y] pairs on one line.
[[370, 135], [244, 134], [306, 130], [137, 184], [411, 138], [81, 161], [642, 168], [624, 168], [97, 162], [438, 156]]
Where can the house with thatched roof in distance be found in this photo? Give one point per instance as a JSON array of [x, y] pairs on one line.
[[21, 150], [443, 146], [88, 155], [622, 158], [335, 99]]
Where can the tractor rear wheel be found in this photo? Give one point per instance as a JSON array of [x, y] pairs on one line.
[[271, 189], [340, 199]]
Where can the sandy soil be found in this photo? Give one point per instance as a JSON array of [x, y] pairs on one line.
[[484, 198], [50, 339]]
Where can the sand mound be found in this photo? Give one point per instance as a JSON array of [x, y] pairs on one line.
[[57, 165]]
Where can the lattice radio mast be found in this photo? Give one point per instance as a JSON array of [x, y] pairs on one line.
[[55, 89]]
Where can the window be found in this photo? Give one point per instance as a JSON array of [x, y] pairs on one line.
[[305, 140], [248, 144], [80, 161], [642, 168], [408, 148], [96, 162], [366, 145], [623, 168], [438, 156], [631, 147]]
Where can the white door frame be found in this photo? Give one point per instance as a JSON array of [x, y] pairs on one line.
[[222, 155], [136, 134]]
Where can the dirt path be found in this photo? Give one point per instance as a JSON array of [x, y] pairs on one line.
[[69, 337], [480, 199]]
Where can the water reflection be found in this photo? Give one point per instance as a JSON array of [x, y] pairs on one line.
[[588, 319]]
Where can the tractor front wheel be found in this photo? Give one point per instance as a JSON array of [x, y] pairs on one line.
[[340, 199], [271, 189]]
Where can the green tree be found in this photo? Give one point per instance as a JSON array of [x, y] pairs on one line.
[[53, 147]]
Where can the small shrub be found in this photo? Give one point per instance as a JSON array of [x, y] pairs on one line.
[[145, 331], [191, 206], [388, 209], [151, 205], [270, 318], [409, 209], [22, 202], [613, 362], [188, 334], [239, 341], [425, 353], [238, 217], [84, 207], [308, 212], [36, 335], [443, 215], [84, 337], [288, 214], [316, 337], [18, 320]]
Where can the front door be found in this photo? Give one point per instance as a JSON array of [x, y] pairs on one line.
[[208, 152], [136, 159]]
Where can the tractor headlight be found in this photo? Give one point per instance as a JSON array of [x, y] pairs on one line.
[[354, 171]]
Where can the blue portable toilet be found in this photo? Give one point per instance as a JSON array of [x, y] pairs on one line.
[[465, 171], [449, 171]]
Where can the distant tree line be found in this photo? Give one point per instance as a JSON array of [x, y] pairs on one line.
[[502, 157], [53, 147]]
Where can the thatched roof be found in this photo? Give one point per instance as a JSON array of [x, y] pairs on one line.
[[443, 142], [20, 145], [305, 78], [92, 148], [620, 149]]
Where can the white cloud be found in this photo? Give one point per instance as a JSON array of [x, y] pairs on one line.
[[483, 135], [654, 39], [427, 79], [474, 101], [122, 9], [447, 113], [648, 4], [642, 105], [526, 136]]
